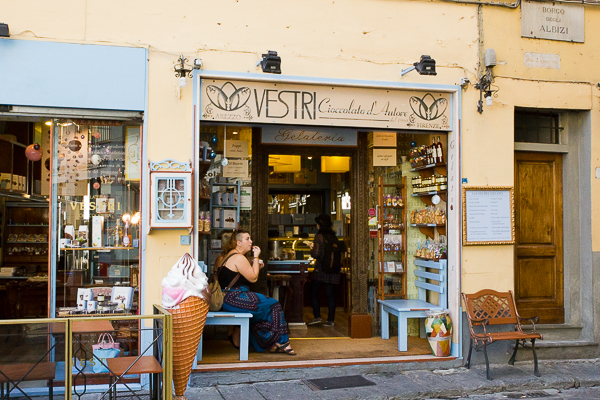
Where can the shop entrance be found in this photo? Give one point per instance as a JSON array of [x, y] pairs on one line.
[[290, 185], [302, 187]]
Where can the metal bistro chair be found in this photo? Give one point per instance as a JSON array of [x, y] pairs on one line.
[[14, 374], [119, 367]]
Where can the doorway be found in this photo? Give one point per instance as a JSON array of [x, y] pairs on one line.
[[301, 187], [539, 236]]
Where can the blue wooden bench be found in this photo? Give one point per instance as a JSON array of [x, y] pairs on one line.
[[405, 309], [229, 318]]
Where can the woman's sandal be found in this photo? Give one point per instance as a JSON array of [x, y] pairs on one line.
[[283, 348], [230, 337]]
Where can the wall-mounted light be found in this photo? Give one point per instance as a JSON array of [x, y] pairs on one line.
[[425, 66], [484, 85], [271, 62], [4, 30], [182, 70]]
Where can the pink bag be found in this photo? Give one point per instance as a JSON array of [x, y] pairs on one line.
[[105, 348], [105, 341]]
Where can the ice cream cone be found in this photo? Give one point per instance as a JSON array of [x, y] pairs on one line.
[[188, 324]]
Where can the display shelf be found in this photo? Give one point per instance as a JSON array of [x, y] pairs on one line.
[[98, 248], [426, 197], [29, 225], [203, 167], [42, 258], [429, 229], [399, 213], [430, 169], [14, 277]]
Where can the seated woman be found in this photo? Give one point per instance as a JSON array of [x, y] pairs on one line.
[[268, 329]]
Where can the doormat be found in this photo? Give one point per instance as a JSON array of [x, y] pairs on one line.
[[338, 382]]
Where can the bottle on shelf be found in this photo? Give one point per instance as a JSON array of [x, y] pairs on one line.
[[120, 178], [439, 150], [433, 153], [117, 234]]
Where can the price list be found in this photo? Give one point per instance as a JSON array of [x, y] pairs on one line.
[[488, 216]]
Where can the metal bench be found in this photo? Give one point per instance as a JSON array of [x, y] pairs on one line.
[[405, 309], [488, 307], [229, 318]]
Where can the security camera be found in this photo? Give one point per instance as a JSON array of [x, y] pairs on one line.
[[197, 63], [464, 81]]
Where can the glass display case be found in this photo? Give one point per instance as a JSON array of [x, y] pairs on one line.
[[96, 180]]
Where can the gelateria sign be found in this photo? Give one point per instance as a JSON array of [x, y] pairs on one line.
[[296, 104]]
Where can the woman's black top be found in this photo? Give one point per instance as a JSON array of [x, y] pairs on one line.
[[226, 276]]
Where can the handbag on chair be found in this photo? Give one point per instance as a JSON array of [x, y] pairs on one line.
[[105, 348]]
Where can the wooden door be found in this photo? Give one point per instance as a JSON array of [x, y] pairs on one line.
[[539, 236]]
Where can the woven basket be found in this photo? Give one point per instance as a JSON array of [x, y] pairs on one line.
[[188, 324]]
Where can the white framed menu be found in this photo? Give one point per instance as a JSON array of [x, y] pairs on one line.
[[488, 215]]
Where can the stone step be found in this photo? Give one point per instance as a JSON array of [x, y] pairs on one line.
[[557, 331], [561, 350]]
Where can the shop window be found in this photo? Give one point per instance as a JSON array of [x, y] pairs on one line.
[[225, 195], [537, 127], [96, 181]]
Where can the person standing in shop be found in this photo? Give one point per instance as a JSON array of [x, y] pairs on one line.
[[327, 251]]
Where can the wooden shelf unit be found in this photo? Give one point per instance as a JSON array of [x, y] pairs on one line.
[[400, 255]]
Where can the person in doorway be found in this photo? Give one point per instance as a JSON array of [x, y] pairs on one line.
[[268, 329], [326, 250]]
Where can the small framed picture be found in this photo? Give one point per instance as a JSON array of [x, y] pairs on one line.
[[399, 267], [390, 266], [102, 205]]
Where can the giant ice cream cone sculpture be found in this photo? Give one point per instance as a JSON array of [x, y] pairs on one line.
[[185, 294]]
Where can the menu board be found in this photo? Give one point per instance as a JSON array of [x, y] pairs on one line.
[[488, 215]]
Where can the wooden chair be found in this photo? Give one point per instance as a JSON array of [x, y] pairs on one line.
[[132, 365], [14, 374], [488, 307]]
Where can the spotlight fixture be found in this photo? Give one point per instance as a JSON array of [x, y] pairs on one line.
[[425, 66], [182, 70], [271, 63], [4, 30]]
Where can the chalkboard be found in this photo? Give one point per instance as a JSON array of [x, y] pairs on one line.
[[488, 215]]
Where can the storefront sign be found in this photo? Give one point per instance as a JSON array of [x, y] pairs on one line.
[[237, 148], [384, 157], [488, 216], [312, 137], [384, 139], [296, 104], [236, 169], [553, 21]]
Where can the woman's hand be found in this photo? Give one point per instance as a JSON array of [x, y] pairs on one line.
[[255, 251]]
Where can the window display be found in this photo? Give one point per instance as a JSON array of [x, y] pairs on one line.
[[97, 184]]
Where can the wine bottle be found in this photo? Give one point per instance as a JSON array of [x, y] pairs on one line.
[[433, 157], [439, 150]]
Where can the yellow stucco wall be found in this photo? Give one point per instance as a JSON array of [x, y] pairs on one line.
[[347, 39]]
